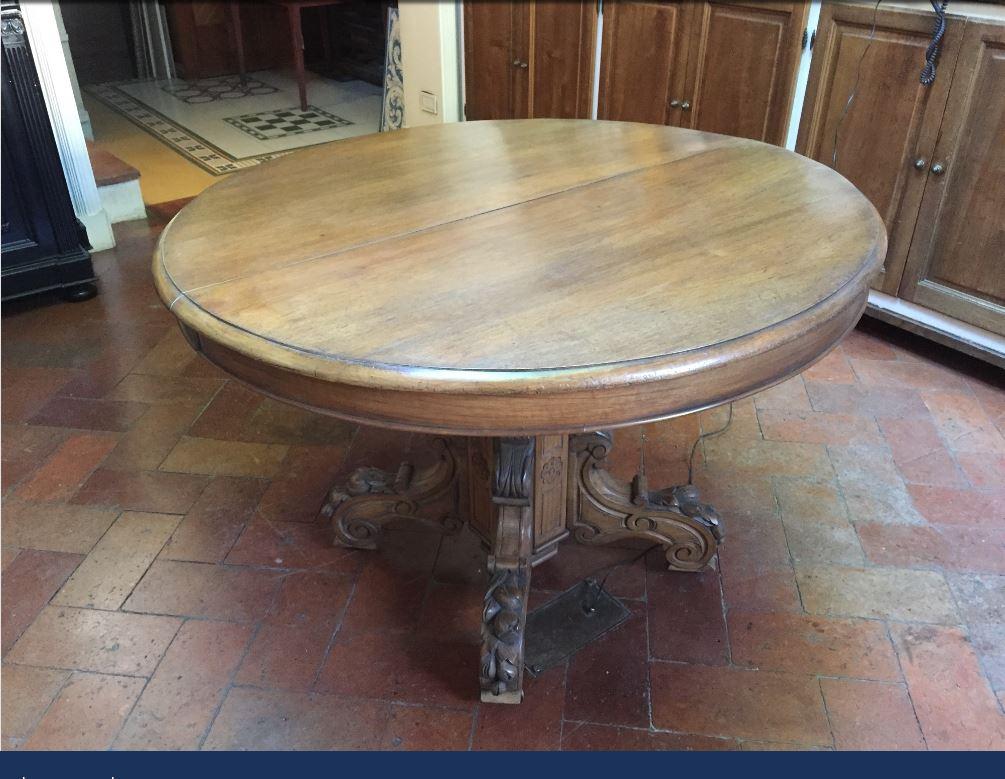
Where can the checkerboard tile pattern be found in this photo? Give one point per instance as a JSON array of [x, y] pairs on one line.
[[167, 584], [268, 125]]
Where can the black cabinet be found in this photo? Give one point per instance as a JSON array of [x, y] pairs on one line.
[[44, 246]]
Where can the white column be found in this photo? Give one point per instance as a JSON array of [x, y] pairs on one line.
[[802, 79], [54, 79], [430, 61]]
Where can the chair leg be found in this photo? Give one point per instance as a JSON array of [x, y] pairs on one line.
[[296, 34]]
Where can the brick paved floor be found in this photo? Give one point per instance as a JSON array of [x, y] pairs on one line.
[[166, 584]]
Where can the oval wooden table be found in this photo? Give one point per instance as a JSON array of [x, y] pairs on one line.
[[525, 285]]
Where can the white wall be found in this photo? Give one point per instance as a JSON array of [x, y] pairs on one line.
[[430, 60]]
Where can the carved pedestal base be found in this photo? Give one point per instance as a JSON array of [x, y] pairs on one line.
[[371, 498], [525, 495]]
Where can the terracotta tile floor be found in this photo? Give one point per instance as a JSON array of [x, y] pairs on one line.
[[166, 584]]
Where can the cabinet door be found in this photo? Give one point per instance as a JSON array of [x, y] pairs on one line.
[[643, 60], [495, 84], [893, 120], [562, 45], [742, 68], [957, 260]]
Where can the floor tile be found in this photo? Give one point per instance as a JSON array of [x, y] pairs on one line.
[[56, 528], [575, 562], [297, 493], [154, 491], [215, 521], [101, 641], [988, 641], [224, 458], [453, 612], [919, 452], [60, 476], [427, 728], [872, 486], [801, 643], [737, 703], [940, 546], [311, 598], [169, 357], [292, 545], [155, 434], [913, 375], [816, 523], [27, 693], [871, 716], [226, 593], [118, 561], [607, 679], [273, 720], [686, 618], [756, 567], [944, 505], [877, 593], [87, 714], [165, 389], [790, 394], [178, 704], [285, 657], [392, 666], [536, 724], [584, 737], [816, 427], [28, 584], [982, 469], [833, 367], [954, 703], [981, 598], [964, 423], [89, 414], [895, 402], [771, 458]]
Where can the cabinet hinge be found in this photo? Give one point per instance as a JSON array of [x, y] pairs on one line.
[[813, 38], [806, 39]]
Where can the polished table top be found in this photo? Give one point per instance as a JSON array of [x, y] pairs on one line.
[[521, 276]]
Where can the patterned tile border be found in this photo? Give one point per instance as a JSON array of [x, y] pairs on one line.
[[187, 143]]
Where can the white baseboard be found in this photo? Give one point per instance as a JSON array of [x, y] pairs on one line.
[[99, 230], [939, 327], [123, 201]]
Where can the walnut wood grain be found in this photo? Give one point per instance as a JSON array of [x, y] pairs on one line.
[[563, 276]]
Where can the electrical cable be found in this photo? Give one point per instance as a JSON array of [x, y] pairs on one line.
[[854, 90], [932, 52], [702, 437]]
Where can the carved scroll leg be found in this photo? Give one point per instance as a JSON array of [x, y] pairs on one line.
[[603, 509], [504, 617], [371, 498]]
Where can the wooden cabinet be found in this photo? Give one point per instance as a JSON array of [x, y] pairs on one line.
[[930, 158], [528, 59], [957, 260], [742, 66], [643, 61], [724, 67], [44, 247], [893, 121]]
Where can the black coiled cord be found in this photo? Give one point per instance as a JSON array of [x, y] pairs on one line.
[[932, 52]]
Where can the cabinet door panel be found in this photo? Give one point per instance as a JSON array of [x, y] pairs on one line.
[[742, 68], [492, 34], [957, 260], [893, 120], [563, 40], [643, 60]]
